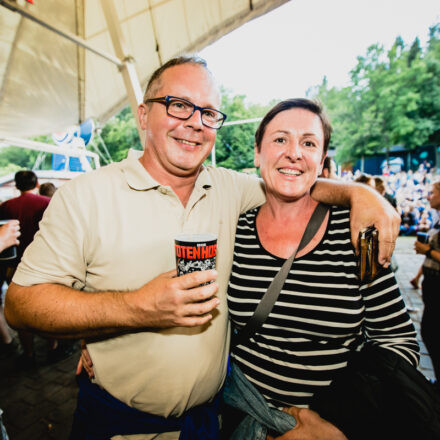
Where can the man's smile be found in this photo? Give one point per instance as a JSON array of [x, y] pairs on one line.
[[187, 142]]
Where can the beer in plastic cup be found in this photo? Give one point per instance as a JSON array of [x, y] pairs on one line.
[[195, 252]]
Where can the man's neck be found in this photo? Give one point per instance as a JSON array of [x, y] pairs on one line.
[[29, 191], [182, 184]]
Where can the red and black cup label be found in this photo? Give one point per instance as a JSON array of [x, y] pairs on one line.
[[195, 252]]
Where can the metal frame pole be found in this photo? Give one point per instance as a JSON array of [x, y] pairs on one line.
[[128, 70]]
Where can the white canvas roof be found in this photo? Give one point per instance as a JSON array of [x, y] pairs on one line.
[[48, 82]]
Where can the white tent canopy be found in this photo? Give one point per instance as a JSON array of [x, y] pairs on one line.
[[50, 81]]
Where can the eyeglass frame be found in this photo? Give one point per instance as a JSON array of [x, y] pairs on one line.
[[165, 100]]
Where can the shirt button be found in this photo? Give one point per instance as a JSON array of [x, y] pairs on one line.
[[163, 190]]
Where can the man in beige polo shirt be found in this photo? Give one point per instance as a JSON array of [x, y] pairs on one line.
[[99, 268]]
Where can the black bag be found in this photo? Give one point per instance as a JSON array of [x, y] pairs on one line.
[[380, 396]]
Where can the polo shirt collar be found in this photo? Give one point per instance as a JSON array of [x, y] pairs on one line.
[[139, 179], [136, 175]]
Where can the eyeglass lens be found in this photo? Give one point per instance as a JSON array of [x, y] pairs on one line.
[[180, 108]]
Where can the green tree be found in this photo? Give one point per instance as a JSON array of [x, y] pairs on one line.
[[120, 134], [392, 100], [15, 158], [430, 89], [234, 145]]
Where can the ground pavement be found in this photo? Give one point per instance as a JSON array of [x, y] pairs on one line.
[[38, 404]]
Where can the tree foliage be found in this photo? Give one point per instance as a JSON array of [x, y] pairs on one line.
[[120, 134], [393, 99], [13, 159], [234, 145]]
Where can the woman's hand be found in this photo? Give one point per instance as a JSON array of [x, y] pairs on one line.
[[310, 426], [85, 361]]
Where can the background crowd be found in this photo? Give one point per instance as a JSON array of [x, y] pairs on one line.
[[408, 191]]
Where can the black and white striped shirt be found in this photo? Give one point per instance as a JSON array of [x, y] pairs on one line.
[[321, 298]]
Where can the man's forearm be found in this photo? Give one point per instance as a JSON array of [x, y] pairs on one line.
[[333, 192], [166, 301], [368, 207], [56, 310]]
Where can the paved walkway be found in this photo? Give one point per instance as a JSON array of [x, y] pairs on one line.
[[38, 405]]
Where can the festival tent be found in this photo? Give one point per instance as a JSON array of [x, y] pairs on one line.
[[64, 61]]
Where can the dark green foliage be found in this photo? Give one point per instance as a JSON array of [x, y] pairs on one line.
[[120, 134], [393, 99], [235, 143], [13, 159]]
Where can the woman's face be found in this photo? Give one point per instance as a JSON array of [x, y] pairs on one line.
[[291, 154], [434, 198]]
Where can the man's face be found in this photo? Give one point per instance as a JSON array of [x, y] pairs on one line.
[[173, 146], [434, 197]]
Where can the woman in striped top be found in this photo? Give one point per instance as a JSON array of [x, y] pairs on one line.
[[290, 358]]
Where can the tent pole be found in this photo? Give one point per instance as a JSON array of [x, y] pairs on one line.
[[128, 70]]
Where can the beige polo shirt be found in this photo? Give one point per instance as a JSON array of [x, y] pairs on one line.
[[113, 229]]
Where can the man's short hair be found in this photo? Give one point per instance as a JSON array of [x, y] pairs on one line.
[[154, 82], [25, 180]]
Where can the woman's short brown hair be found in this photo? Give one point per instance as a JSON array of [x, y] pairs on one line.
[[313, 106]]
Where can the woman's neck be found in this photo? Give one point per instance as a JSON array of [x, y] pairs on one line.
[[281, 225], [290, 212]]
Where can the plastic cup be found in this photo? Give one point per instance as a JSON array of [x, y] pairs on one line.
[[423, 237], [195, 252]]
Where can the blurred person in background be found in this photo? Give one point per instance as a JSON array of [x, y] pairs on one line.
[[366, 179], [329, 169], [425, 222], [47, 189], [430, 324], [28, 208], [9, 234], [379, 184], [408, 225]]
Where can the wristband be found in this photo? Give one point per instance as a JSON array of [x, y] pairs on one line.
[[428, 253]]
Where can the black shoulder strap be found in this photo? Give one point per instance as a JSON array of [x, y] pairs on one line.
[[267, 302]]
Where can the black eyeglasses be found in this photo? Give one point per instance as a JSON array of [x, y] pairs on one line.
[[182, 109]]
